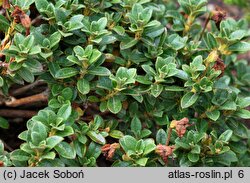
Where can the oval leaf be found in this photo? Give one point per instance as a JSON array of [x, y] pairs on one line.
[[189, 99], [65, 150]]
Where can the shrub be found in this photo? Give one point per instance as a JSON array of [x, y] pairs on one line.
[[139, 82]]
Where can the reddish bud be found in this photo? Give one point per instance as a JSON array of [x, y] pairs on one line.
[[180, 126], [218, 15], [164, 151], [21, 17], [219, 65], [108, 150], [25, 20], [6, 4], [1, 164]]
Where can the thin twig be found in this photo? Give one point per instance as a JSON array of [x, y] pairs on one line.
[[37, 19], [41, 97], [11, 113], [169, 136], [87, 118], [205, 26], [22, 90]]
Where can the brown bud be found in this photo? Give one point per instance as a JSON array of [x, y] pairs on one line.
[[164, 151], [218, 15], [6, 4], [219, 65], [16, 14], [21, 17], [108, 150], [1, 164], [181, 126], [25, 20]]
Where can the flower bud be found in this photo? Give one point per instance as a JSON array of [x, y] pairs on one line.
[[6, 4], [218, 15], [108, 150], [25, 20], [219, 65], [164, 151]]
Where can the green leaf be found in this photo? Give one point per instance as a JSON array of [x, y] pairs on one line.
[[145, 133], [51, 163], [225, 136], [193, 157], [28, 42], [94, 150], [83, 86], [119, 30], [213, 115], [196, 149], [197, 64], [238, 128], [4, 123], [128, 143], [114, 105], [142, 161], [116, 134], [180, 143], [201, 125], [54, 103], [149, 70], [67, 93], [238, 147], [52, 141], [174, 88], [74, 23], [68, 130], [41, 5], [243, 102], [66, 73], [1, 81], [129, 44], [35, 50], [1, 147], [49, 155], [96, 137], [136, 125], [55, 39], [65, 150], [94, 56], [19, 155], [26, 74], [211, 41], [189, 99], [102, 23], [99, 71], [176, 42], [38, 133], [103, 106], [65, 111], [156, 89], [4, 23], [243, 113], [161, 137], [226, 158], [149, 146], [229, 105], [240, 46]]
